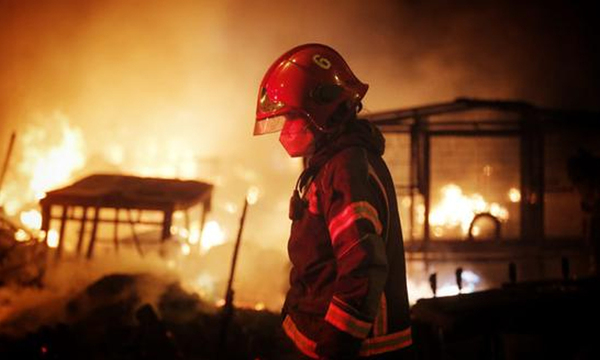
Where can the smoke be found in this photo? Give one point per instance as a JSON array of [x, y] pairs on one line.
[[260, 282], [188, 70], [24, 309], [169, 88]]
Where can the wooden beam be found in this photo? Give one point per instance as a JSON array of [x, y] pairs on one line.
[[116, 230], [46, 210], [90, 251], [167, 222], [61, 236], [82, 229]]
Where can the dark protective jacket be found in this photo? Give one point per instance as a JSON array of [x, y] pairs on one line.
[[347, 252]]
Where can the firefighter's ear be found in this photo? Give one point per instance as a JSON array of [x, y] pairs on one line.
[[326, 93]]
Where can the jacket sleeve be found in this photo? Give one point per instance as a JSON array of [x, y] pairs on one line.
[[353, 209]]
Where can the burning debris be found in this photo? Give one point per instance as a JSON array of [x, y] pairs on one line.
[[121, 196], [456, 212], [181, 316], [89, 92], [140, 317], [22, 254]]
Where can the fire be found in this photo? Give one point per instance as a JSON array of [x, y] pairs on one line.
[[52, 240], [252, 196], [457, 210], [31, 219], [53, 167], [186, 249], [471, 282], [192, 236], [212, 235], [53, 154], [231, 208], [49, 155], [194, 233], [21, 235], [514, 195]]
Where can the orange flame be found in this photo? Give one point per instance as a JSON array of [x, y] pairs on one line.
[[457, 210], [50, 168], [212, 235]]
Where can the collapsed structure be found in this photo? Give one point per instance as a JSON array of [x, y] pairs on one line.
[[512, 190], [503, 166], [119, 195]]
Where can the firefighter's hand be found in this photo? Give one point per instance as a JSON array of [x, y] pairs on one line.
[[334, 344]]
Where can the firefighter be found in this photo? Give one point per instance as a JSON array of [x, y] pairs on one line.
[[347, 296]]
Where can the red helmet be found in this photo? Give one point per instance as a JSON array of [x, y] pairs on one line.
[[309, 81]]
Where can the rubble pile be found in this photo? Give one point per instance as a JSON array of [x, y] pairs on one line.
[[548, 319], [22, 255], [138, 316]]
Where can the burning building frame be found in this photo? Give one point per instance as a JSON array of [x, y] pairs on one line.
[[126, 197], [488, 182]]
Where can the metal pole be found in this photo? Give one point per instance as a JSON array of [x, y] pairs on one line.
[[7, 159], [235, 252], [228, 307]]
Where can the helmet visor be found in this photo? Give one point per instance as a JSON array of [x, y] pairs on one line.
[[269, 125]]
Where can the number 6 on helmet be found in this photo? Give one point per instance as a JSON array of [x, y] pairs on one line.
[[309, 81]]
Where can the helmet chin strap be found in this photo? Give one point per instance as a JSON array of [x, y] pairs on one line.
[[320, 130]]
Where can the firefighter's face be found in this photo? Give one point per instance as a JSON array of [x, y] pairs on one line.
[[297, 137]]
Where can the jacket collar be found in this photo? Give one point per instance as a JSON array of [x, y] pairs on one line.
[[358, 132]]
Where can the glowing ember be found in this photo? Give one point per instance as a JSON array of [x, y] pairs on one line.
[[52, 239], [456, 210], [180, 231], [11, 207], [514, 195], [231, 208], [253, 194], [421, 289], [21, 235], [194, 233], [469, 281], [185, 249], [32, 219], [212, 236]]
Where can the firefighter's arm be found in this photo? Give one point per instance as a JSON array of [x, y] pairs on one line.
[[350, 205]]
